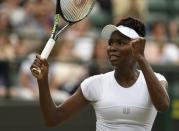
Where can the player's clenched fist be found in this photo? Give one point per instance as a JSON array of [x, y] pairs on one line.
[[137, 47], [39, 68]]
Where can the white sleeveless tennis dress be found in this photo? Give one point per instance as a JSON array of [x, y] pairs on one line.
[[118, 108]]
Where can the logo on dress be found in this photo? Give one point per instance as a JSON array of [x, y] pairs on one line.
[[126, 110]]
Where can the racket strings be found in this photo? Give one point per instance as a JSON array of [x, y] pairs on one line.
[[73, 12], [83, 8], [68, 12], [80, 10], [87, 7]]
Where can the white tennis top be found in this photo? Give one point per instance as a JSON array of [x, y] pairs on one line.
[[118, 108]]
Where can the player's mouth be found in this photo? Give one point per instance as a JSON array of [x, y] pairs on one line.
[[114, 58]]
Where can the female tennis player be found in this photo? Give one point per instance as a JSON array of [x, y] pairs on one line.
[[125, 99]]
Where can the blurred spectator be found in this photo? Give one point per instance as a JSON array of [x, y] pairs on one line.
[[14, 11], [6, 49], [4, 22], [21, 49], [106, 6], [27, 88], [83, 37], [44, 15], [9, 5], [158, 31], [134, 8], [80, 29], [7, 55], [173, 33], [101, 13], [63, 51], [158, 50], [99, 62], [67, 72], [39, 18]]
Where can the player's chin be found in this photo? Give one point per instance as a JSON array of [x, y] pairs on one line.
[[114, 62]]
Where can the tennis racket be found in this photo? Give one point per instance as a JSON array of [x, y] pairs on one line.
[[72, 11]]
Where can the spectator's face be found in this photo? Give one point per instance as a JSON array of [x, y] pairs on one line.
[[173, 28], [4, 21], [119, 51], [159, 30]]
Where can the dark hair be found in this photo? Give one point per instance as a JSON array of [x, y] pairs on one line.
[[133, 23]]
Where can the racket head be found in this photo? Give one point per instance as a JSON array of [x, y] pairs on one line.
[[73, 11]]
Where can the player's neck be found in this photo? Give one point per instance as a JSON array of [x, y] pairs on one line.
[[126, 76]]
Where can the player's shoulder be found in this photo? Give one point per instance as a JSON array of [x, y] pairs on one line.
[[159, 74], [99, 77], [92, 87]]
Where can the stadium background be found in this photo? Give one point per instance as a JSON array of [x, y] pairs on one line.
[[25, 26]]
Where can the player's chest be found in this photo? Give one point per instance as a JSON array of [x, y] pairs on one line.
[[125, 105]]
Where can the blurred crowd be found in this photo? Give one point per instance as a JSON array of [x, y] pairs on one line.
[[25, 26]]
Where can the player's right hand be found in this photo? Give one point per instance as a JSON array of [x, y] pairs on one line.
[[39, 68]]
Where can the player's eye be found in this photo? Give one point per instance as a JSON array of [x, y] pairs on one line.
[[118, 42], [110, 42]]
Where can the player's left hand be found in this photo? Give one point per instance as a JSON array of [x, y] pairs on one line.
[[137, 47]]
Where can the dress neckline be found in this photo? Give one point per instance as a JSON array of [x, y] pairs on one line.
[[118, 85]]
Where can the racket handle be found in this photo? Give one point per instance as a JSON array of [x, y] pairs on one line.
[[48, 48], [45, 53]]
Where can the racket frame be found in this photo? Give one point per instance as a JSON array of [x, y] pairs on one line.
[[56, 32], [72, 22]]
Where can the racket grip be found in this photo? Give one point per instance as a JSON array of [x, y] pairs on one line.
[[45, 53], [48, 48]]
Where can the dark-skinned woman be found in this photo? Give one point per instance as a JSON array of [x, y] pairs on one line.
[[125, 99]]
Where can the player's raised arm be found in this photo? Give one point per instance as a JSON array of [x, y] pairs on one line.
[[55, 114]]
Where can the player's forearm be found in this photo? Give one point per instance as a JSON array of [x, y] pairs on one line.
[[47, 105], [157, 93]]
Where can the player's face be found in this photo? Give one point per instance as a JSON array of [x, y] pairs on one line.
[[119, 50]]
